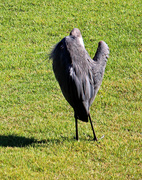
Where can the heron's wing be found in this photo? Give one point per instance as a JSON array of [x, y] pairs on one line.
[[80, 82], [80, 69], [80, 92]]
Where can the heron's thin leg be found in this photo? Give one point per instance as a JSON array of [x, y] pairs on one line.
[[95, 138], [76, 128]]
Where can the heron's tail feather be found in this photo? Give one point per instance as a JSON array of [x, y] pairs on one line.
[[81, 115]]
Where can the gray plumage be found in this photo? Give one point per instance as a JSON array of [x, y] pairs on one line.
[[77, 74]]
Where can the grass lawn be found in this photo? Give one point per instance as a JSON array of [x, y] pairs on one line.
[[37, 126]]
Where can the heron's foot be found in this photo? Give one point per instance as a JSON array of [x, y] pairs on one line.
[[95, 139], [76, 138]]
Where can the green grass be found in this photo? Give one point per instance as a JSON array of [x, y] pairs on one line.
[[37, 126]]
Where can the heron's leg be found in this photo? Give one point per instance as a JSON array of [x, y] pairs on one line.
[[95, 138], [76, 125]]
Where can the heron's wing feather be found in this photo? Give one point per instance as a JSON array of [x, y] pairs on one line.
[[80, 83], [80, 70], [80, 92]]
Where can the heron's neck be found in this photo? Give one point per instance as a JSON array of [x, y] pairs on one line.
[[81, 41]]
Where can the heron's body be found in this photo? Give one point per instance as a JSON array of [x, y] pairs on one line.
[[78, 75]]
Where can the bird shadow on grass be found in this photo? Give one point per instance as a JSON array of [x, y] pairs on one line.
[[15, 141], [21, 141]]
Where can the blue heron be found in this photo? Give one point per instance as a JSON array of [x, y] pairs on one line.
[[78, 75]]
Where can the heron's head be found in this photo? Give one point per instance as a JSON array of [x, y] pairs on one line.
[[76, 33]]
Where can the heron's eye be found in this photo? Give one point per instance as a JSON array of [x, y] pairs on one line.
[[62, 46]]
